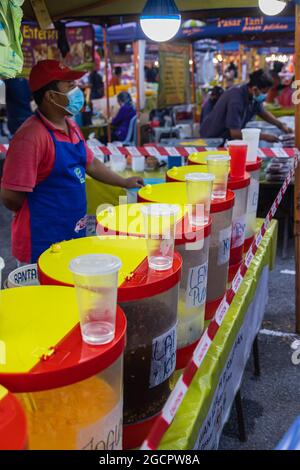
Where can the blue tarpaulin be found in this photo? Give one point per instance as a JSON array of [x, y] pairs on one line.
[[291, 440]]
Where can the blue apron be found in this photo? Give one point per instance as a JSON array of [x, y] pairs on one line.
[[58, 204]]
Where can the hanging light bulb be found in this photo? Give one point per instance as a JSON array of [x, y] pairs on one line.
[[272, 7], [160, 20]]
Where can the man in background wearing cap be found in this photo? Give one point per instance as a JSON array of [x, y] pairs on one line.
[[44, 173]]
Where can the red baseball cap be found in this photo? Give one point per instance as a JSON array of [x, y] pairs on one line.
[[47, 71]]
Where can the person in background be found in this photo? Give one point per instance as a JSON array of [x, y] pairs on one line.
[[96, 81], [237, 106], [46, 164], [116, 78], [209, 104], [275, 74], [18, 98], [122, 120]]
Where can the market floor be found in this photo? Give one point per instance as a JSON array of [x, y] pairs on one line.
[[271, 402]]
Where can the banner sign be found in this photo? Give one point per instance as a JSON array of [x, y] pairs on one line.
[[174, 76], [42, 44], [247, 25]]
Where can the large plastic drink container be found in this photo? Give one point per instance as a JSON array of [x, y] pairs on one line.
[[193, 245], [149, 299]]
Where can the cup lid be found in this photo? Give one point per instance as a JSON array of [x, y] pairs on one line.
[[199, 177], [93, 264], [251, 130], [13, 427], [221, 158]]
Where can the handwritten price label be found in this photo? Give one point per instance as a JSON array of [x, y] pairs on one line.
[[196, 286], [163, 357]]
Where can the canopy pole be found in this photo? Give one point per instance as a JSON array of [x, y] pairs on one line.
[[241, 55], [137, 81], [105, 46], [192, 68], [297, 175]]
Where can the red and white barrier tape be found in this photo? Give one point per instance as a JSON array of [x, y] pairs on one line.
[[157, 151], [174, 401]]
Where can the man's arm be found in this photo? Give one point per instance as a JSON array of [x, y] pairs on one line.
[[100, 172], [268, 117], [13, 200], [235, 134]]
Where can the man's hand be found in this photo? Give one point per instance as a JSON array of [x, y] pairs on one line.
[[134, 182], [286, 129], [269, 138]]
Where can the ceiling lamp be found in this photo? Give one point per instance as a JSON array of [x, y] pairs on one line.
[[272, 7], [160, 20]]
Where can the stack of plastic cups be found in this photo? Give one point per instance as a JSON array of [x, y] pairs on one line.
[[253, 166]]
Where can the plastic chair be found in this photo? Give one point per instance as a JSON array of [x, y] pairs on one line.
[[131, 138]]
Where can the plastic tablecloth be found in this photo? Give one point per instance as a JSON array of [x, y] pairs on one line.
[[184, 431]]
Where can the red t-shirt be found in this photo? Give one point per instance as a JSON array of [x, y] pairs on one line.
[[30, 160]]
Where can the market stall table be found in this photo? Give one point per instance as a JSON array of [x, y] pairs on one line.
[[206, 407]]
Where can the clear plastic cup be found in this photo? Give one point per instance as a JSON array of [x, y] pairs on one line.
[[251, 136], [199, 192], [96, 284], [138, 163], [238, 153], [160, 222], [118, 163], [218, 165]]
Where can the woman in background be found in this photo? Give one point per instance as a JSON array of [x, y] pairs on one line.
[[122, 120]]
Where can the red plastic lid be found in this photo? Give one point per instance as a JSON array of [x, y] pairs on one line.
[[144, 282], [13, 428], [253, 166], [239, 183], [223, 205], [70, 361]]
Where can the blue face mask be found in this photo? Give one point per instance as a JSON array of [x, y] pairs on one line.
[[76, 101], [260, 98]]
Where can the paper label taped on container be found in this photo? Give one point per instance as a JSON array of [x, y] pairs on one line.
[[238, 231], [253, 197], [163, 360], [224, 245], [105, 434], [196, 286]]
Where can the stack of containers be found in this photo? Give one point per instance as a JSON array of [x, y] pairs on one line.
[[193, 245], [221, 216], [251, 136], [72, 394], [149, 299], [13, 427], [253, 168], [240, 188]]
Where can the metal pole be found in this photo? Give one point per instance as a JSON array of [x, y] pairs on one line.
[[105, 46], [137, 81], [297, 175]]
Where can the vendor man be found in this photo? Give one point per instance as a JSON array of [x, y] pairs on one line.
[[44, 173], [237, 106]]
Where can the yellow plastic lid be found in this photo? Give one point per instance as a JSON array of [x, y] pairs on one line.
[[179, 173], [175, 193], [128, 219], [135, 280], [200, 157]]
